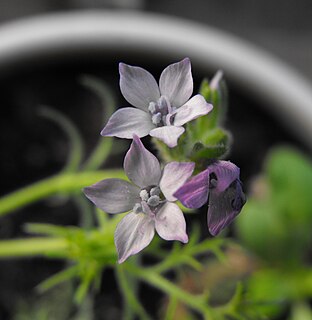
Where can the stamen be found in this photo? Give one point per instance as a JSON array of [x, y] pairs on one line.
[[152, 107], [144, 195], [164, 119], [153, 201], [137, 208], [162, 104], [155, 191], [156, 118]]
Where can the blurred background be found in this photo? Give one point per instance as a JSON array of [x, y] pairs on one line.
[[33, 147], [282, 27]]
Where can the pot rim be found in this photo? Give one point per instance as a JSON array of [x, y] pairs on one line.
[[286, 93]]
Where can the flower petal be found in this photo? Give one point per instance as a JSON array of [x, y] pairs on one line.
[[168, 134], [128, 121], [133, 233], [174, 176], [141, 166], [138, 86], [224, 207], [194, 193], [170, 223], [176, 82], [113, 195], [226, 172], [192, 109]]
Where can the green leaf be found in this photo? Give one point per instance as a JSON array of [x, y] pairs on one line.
[[213, 145], [275, 222]]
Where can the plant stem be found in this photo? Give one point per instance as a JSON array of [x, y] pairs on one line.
[[197, 303], [129, 296], [32, 247], [61, 183]]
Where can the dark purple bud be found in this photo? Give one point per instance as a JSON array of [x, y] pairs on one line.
[[219, 185], [226, 197], [194, 193]]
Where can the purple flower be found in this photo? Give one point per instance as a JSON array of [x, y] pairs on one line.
[[148, 197], [219, 184], [160, 111]]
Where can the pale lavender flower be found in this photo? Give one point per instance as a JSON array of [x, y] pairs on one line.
[[160, 111], [149, 196], [219, 185]]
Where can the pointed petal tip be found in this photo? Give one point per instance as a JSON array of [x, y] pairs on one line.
[[184, 239], [121, 260], [140, 165], [85, 191], [88, 192], [105, 132], [121, 66]]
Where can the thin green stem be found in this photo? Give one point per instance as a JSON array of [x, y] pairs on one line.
[[107, 99], [61, 183], [74, 137], [33, 247], [171, 309], [129, 296], [100, 154], [186, 255], [58, 278], [197, 303]]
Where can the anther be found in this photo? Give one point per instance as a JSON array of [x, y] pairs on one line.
[[152, 107], [144, 195], [156, 118], [155, 191], [153, 201], [137, 208]]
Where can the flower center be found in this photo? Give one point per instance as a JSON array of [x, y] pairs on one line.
[[151, 196], [161, 112]]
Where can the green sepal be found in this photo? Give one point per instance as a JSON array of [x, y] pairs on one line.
[[214, 145]]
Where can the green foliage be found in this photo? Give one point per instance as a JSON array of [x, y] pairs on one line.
[[275, 222], [276, 226]]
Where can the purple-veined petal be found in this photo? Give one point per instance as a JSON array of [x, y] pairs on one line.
[[133, 233], [224, 206], [174, 176], [170, 223], [141, 166], [128, 121], [192, 109], [168, 134], [138, 86], [226, 172], [176, 82], [194, 193], [113, 195]]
